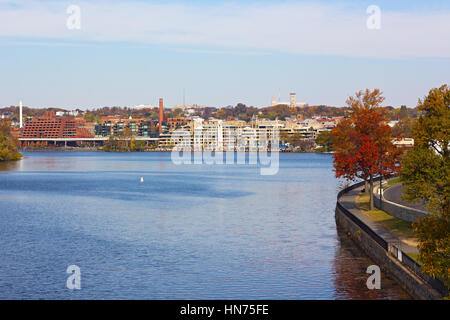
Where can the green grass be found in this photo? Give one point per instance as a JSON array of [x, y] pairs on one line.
[[415, 256], [394, 181], [402, 229]]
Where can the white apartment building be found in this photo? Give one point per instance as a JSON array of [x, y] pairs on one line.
[[217, 135]]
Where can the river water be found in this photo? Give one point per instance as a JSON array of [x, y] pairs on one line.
[[185, 232]]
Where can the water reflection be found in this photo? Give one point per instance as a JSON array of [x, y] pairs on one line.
[[10, 165], [350, 265]]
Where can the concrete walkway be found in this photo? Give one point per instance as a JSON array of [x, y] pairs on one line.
[[348, 201]]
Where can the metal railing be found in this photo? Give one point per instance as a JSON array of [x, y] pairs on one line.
[[413, 266]]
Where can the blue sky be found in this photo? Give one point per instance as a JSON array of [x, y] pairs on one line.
[[219, 52]]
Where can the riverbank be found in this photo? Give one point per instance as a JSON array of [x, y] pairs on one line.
[[60, 149], [384, 247], [100, 149]]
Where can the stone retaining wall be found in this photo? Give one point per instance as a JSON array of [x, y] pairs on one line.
[[412, 284], [395, 209]]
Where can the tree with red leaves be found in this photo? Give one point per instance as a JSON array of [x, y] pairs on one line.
[[363, 142]]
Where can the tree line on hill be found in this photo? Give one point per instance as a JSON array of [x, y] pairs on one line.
[[240, 112]]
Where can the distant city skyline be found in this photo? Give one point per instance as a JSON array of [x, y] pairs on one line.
[[219, 53]]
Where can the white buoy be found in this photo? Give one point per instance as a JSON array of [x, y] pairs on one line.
[[142, 179]]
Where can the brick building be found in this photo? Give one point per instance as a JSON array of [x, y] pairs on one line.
[[174, 123], [49, 126]]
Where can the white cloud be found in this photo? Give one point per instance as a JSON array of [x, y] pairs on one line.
[[289, 27]]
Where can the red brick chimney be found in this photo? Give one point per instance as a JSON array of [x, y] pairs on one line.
[[161, 114]]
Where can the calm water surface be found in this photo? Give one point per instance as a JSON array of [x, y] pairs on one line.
[[186, 232]]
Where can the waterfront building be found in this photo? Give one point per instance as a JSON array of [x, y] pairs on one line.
[[178, 122], [404, 143], [50, 126], [116, 126], [198, 133], [218, 135]]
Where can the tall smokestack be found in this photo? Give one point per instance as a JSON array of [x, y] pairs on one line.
[[161, 114], [20, 113]]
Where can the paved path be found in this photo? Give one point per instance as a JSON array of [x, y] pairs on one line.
[[394, 194], [348, 201]]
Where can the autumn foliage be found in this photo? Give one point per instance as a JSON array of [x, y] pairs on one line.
[[426, 177], [8, 144], [363, 141]]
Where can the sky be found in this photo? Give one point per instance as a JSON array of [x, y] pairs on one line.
[[218, 52]]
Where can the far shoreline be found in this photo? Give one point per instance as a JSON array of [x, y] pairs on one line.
[[77, 149]]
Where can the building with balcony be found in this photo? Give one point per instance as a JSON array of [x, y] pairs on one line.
[[49, 126], [117, 126]]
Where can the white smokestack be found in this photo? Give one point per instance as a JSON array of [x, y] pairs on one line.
[[20, 113]]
